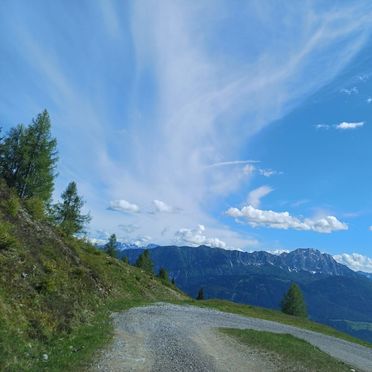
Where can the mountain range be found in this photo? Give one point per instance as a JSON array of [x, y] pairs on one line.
[[335, 295]]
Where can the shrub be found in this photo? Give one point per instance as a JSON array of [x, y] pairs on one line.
[[7, 240], [12, 205], [35, 207]]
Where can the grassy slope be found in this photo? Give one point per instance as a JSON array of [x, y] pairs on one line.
[[276, 316], [56, 293], [288, 352]]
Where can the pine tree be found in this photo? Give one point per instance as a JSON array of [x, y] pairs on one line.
[[163, 274], [173, 281], [200, 295], [144, 261], [293, 302], [28, 158], [68, 214], [111, 246], [125, 259]]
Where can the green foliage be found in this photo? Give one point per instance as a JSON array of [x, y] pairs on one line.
[[288, 352], [11, 205], [68, 213], [7, 239], [276, 316], [200, 295], [35, 207], [144, 262], [293, 302], [111, 246], [163, 275], [28, 159], [125, 259]]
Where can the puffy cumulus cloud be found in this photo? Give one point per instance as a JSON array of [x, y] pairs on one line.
[[283, 220], [123, 206], [196, 237], [160, 206], [255, 196], [355, 261], [346, 125]]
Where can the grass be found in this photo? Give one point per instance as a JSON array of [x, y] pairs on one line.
[[57, 293], [288, 352], [275, 316]]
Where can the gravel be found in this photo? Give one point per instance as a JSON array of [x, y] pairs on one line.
[[166, 337]]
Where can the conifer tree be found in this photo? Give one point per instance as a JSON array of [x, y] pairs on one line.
[[144, 261], [293, 302], [111, 246], [200, 295], [28, 158], [68, 213], [163, 274]]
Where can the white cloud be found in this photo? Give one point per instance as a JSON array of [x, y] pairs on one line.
[[249, 169], [255, 196], [191, 120], [233, 162], [160, 206], [278, 252], [268, 172], [283, 220], [123, 206], [322, 126], [353, 90], [196, 237], [369, 100], [355, 261], [348, 125]]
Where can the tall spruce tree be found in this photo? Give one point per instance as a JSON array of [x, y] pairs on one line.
[[28, 158], [293, 302], [68, 213], [144, 261], [111, 246]]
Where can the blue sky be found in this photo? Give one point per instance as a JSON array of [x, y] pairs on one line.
[[234, 124]]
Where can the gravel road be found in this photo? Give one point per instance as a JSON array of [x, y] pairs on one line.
[[165, 337]]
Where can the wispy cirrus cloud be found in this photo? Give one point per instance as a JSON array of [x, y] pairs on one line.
[[255, 196], [167, 100]]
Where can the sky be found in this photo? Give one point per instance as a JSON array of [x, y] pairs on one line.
[[238, 125]]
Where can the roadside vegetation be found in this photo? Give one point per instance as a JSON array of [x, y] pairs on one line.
[[288, 352], [275, 316], [56, 291]]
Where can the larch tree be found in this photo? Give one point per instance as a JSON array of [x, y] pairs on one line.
[[293, 302], [28, 159], [68, 213], [111, 246], [144, 262]]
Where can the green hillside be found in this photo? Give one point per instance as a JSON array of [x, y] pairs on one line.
[[56, 292]]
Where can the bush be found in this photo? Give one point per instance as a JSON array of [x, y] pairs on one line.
[[12, 205], [35, 207], [7, 240]]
